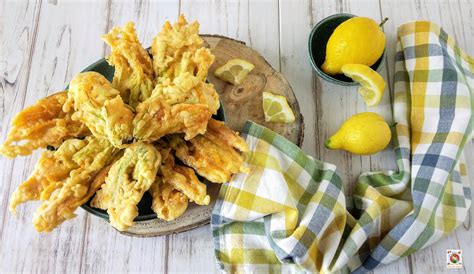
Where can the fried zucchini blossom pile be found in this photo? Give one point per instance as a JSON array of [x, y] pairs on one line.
[[149, 130]]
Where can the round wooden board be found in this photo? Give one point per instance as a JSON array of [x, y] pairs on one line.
[[241, 103], [244, 102]]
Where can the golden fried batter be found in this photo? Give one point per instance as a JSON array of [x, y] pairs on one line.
[[183, 179], [128, 179], [51, 170], [187, 89], [214, 155], [218, 132], [40, 125], [181, 64], [168, 203], [133, 75], [63, 180], [99, 106], [178, 48], [155, 119]]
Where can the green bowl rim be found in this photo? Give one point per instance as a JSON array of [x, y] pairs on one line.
[[99, 212], [318, 70]]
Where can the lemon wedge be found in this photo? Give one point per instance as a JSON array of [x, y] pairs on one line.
[[234, 71], [276, 109], [372, 84]]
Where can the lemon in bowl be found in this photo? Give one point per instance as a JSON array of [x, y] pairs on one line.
[[345, 39], [372, 84]]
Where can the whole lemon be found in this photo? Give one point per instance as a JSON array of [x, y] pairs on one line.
[[358, 40], [364, 133]]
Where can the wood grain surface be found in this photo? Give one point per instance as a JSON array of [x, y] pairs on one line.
[[244, 102], [44, 43]]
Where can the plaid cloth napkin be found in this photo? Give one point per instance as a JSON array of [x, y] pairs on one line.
[[290, 214]]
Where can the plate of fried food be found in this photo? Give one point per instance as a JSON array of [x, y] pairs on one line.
[[138, 138]]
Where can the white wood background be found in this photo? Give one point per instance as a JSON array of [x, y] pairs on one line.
[[44, 43]]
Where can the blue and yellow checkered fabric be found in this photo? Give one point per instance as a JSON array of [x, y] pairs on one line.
[[290, 214]]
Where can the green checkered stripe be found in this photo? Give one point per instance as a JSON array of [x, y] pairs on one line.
[[289, 213]]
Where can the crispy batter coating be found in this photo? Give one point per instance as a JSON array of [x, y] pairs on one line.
[[168, 202], [216, 155], [181, 64], [40, 125], [133, 75], [77, 188], [194, 61], [183, 179], [62, 179], [187, 89], [51, 170], [128, 179], [178, 48], [155, 119], [99, 106], [219, 132]]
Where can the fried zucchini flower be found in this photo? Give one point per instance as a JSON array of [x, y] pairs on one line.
[[183, 179], [40, 125], [133, 75], [155, 119], [50, 172], [128, 179], [99, 106], [187, 89], [168, 202], [64, 180], [171, 43], [215, 155]]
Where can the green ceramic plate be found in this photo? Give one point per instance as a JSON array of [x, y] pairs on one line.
[[144, 207], [317, 48]]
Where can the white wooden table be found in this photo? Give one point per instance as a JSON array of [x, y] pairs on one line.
[[44, 43]]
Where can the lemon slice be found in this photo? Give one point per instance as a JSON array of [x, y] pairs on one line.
[[276, 109], [372, 83], [234, 71]]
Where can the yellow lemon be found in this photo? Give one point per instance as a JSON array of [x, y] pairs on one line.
[[358, 40], [372, 84], [276, 109], [234, 71], [364, 133]]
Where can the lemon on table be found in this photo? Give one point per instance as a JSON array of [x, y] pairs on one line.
[[372, 84], [276, 109], [358, 40], [364, 133], [234, 71]]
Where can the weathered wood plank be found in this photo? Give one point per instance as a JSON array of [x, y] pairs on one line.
[[16, 40], [295, 65], [61, 39], [106, 250], [454, 17]]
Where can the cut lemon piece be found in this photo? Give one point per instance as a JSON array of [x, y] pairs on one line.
[[276, 109], [372, 84], [234, 71]]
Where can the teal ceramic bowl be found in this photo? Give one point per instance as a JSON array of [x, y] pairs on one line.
[[144, 207], [317, 41]]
